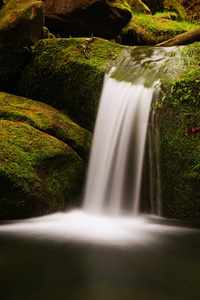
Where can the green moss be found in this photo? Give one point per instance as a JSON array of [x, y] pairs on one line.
[[61, 75], [46, 119], [175, 6], [39, 174], [151, 30], [180, 155], [138, 6]]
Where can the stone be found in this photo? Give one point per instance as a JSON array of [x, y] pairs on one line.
[[85, 18], [39, 172], [68, 75]]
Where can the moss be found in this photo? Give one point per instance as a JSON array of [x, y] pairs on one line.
[[175, 6], [61, 75], [180, 155], [151, 30], [138, 6], [46, 119], [39, 174], [46, 34]]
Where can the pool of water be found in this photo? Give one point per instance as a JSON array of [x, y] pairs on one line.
[[77, 256]]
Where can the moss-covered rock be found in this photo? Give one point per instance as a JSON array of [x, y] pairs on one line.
[[138, 6], [38, 173], [68, 74], [175, 6], [21, 24], [151, 30], [46, 119], [179, 122], [102, 18]]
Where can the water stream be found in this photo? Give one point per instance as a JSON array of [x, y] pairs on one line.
[[107, 250]]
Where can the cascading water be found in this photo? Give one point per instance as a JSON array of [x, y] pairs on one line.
[[115, 168], [141, 257], [114, 177]]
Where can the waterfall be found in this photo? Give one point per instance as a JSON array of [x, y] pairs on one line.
[[115, 167]]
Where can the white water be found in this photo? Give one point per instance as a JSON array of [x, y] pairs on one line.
[[114, 175]]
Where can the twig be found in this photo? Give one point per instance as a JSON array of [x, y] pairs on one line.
[[89, 40]]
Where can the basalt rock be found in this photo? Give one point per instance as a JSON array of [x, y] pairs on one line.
[[102, 18]]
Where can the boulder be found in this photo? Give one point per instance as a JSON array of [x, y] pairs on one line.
[[138, 6], [21, 24], [153, 29], [68, 74], [39, 173], [102, 18], [175, 6], [46, 119]]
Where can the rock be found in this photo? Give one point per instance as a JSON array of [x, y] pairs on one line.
[[152, 29], [46, 119], [179, 143], [138, 6], [60, 74], [39, 173], [85, 18], [175, 6], [21, 24]]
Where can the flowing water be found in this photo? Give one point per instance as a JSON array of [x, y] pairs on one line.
[[114, 175], [108, 250]]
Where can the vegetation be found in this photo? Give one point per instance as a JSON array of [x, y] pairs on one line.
[[68, 74], [46, 119], [179, 121], [153, 29], [39, 174]]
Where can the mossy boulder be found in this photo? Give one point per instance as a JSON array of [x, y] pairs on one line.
[[39, 173], [46, 119], [179, 122], [68, 74], [138, 6], [21, 24], [175, 6], [152, 29], [102, 18]]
